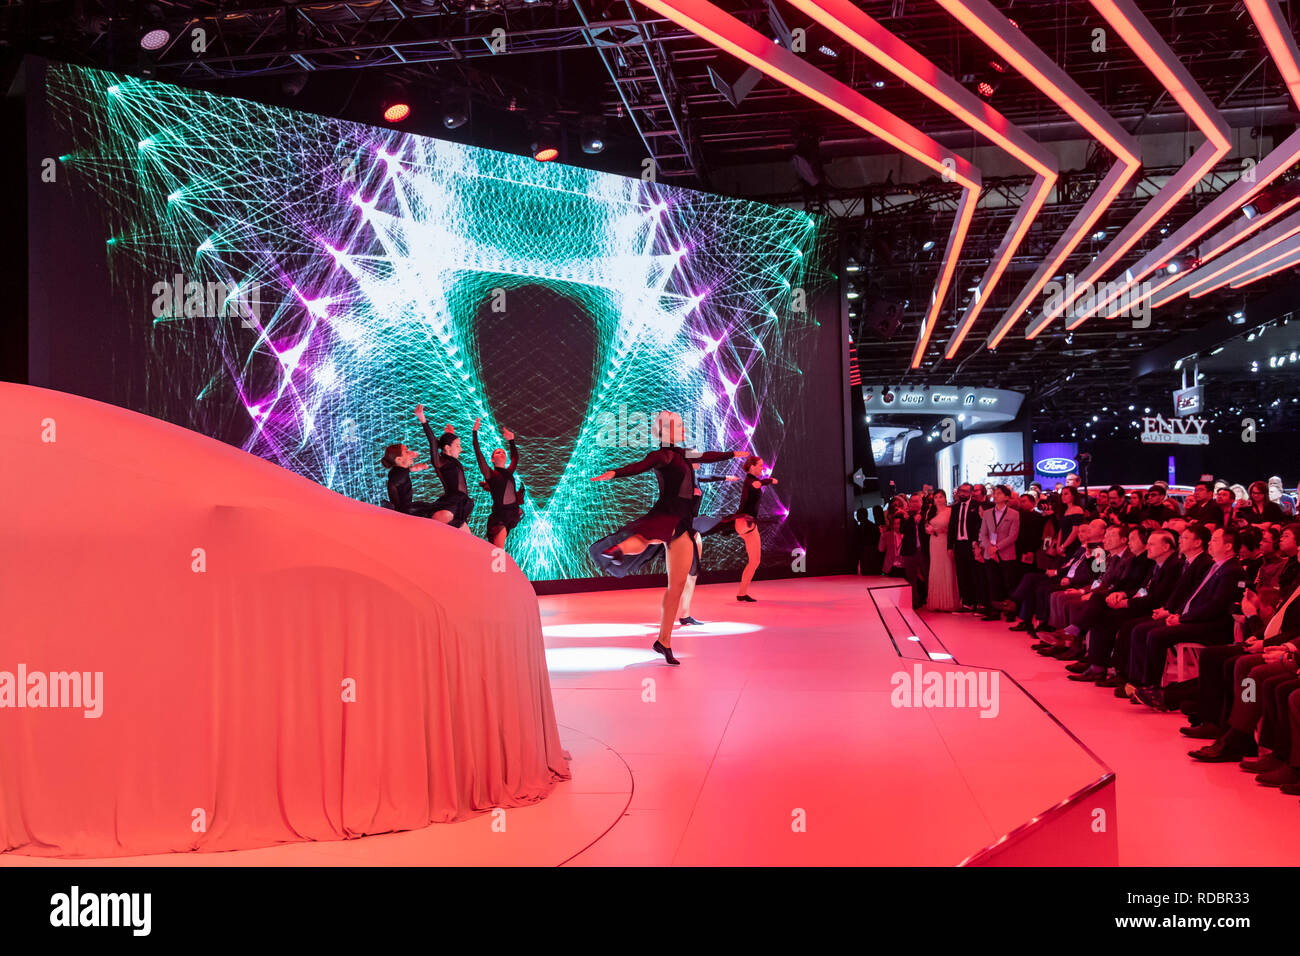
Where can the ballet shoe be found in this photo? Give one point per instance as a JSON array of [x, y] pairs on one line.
[[667, 652], [688, 620], [746, 597]]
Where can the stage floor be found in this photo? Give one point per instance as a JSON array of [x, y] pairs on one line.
[[776, 742]]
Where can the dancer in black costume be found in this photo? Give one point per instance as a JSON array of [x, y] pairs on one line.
[[688, 591], [455, 505], [668, 522], [744, 522], [500, 481], [400, 462]]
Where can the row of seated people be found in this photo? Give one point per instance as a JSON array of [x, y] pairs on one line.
[[1126, 595]]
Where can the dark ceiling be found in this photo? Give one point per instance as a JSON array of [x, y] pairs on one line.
[[561, 63]]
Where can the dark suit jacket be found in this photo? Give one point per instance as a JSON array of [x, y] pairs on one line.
[[1289, 578], [1161, 583], [1188, 582], [1290, 625], [1208, 514], [910, 527], [972, 523], [1030, 537], [1078, 567], [1117, 566], [1161, 512], [1135, 574], [1254, 626], [1214, 601]]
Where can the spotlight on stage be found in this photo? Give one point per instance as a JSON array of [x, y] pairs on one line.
[[986, 85], [396, 102], [593, 135], [155, 39], [1180, 265], [545, 148], [1270, 198], [455, 111]]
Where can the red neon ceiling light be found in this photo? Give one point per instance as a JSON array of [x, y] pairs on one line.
[[1142, 38], [752, 48], [870, 38], [1282, 47], [1002, 36]]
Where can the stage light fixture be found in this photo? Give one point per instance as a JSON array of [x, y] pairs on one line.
[[546, 144], [293, 85], [593, 135], [927, 245], [455, 111], [395, 102], [1181, 264], [807, 160], [734, 90], [155, 39]]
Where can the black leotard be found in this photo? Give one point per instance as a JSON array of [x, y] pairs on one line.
[[749, 495], [676, 477], [671, 514], [399, 494], [399, 489], [499, 481], [449, 469], [455, 497]]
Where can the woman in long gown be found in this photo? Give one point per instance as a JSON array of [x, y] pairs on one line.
[[942, 594]]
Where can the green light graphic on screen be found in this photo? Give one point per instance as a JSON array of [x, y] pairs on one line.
[[360, 271]]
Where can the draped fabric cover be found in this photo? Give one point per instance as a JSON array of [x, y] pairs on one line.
[[279, 663]]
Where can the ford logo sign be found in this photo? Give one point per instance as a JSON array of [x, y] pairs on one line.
[[1056, 466]]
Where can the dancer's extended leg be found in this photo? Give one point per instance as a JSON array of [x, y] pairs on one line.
[[681, 550], [748, 532]]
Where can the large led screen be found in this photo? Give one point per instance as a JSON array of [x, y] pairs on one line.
[[295, 285]]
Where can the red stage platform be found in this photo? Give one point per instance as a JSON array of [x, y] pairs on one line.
[[778, 741]]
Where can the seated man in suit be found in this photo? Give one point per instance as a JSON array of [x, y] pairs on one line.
[[1203, 508], [1076, 570], [1125, 597], [1190, 569], [999, 528], [1109, 563], [1288, 778], [1262, 674], [1126, 571], [1204, 618], [1264, 626], [1157, 507]]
